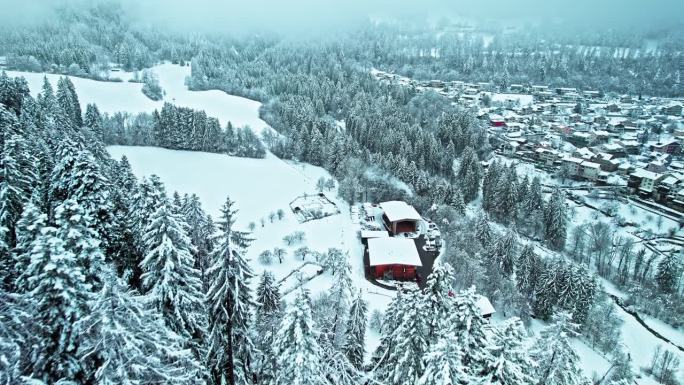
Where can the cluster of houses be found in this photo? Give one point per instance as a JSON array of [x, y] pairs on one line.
[[587, 135], [632, 143]]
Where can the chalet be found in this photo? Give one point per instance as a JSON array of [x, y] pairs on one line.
[[393, 258], [546, 156], [589, 170], [673, 108], [668, 147], [606, 161], [486, 308], [643, 181], [399, 217], [572, 165], [497, 121]]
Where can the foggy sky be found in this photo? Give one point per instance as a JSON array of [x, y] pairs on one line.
[[314, 16]]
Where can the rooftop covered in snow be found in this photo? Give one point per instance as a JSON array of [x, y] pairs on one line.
[[399, 211], [393, 251]]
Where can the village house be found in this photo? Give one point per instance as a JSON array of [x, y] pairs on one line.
[[667, 147], [399, 217], [393, 258]]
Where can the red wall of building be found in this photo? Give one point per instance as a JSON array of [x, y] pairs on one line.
[[399, 272]]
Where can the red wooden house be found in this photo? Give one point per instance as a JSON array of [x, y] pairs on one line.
[[393, 258]]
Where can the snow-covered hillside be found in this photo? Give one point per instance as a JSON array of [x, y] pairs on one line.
[[124, 96], [259, 187]]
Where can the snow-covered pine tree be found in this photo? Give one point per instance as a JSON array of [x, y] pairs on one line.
[[18, 168], [231, 350], [296, 346], [509, 362], [55, 281], [668, 273], [408, 342], [439, 298], [75, 228], [444, 363], [15, 336], [470, 330], [338, 298], [557, 361], [469, 174], [354, 345], [196, 218], [483, 231], [93, 121], [556, 220], [503, 253], [124, 342], [268, 316], [28, 229], [527, 271], [171, 283]]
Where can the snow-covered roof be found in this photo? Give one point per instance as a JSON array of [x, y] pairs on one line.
[[393, 251], [366, 234], [485, 306], [590, 164], [399, 211]]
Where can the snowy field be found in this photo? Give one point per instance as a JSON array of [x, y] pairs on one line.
[[259, 187], [113, 97]]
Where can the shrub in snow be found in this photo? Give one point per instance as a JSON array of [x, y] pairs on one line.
[[375, 321], [279, 253], [266, 257]]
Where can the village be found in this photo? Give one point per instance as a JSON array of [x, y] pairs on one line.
[[631, 145]]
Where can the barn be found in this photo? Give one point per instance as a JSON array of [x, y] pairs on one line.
[[393, 258], [399, 217]]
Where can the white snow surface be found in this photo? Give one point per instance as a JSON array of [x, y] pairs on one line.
[[113, 97], [259, 187]]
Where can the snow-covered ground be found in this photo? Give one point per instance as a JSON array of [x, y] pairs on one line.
[[259, 187], [124, 96]]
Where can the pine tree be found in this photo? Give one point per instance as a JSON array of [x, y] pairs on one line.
[[127, 343], [527, 270], [503, 253], [231, 350], [440, 299], [668, 273], [57, 284], [268, 316], [93, 121], [509, 362], [296, 347], [18, 179], [558, 363], [407, 342], [354, 346], [483, 231], [29, 228], [470, 174], [555, 220], [469, 328], [444, 363], [171, 282], [16, 326], [332, 326]]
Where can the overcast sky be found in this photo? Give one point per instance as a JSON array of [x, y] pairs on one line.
[[317, 15]]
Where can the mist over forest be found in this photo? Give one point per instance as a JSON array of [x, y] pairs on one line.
[[318, 192]]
